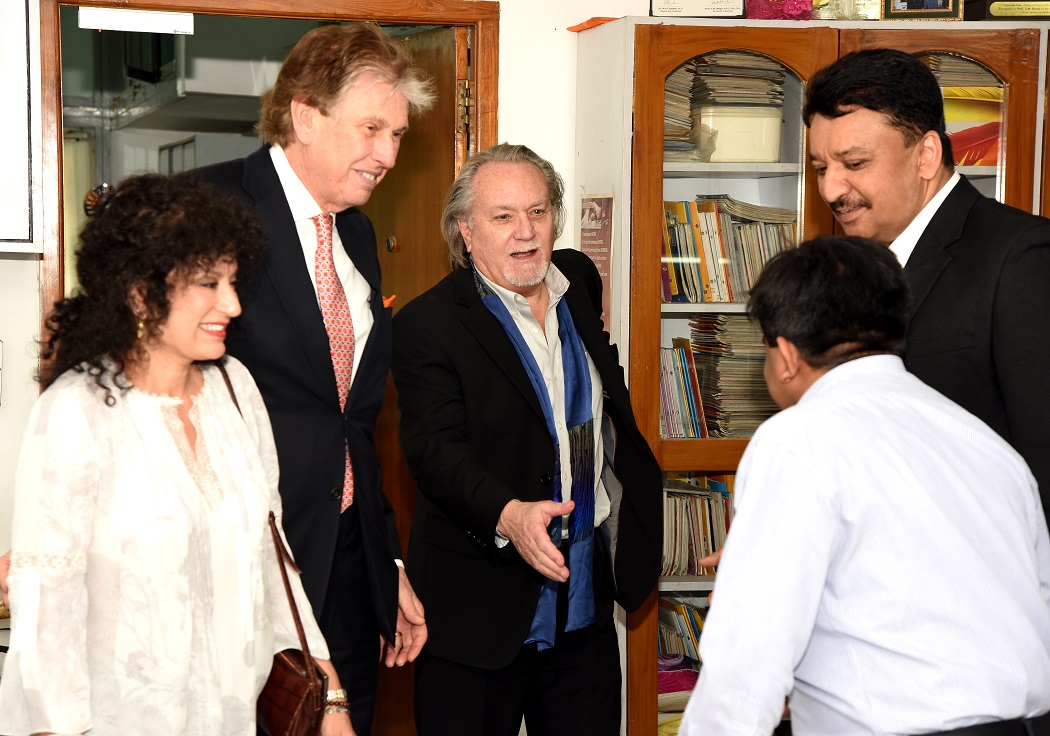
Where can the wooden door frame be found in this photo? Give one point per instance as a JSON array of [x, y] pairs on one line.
[[480, 16]]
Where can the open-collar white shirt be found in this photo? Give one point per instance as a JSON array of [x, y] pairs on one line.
[[888, 567], [905, 243], [358, 291], [545, 345]]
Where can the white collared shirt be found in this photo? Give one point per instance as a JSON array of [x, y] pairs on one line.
[[545, 345], [358, 291], [907, 240], [888, 566]]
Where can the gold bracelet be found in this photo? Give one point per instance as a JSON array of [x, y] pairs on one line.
[[331, 695]]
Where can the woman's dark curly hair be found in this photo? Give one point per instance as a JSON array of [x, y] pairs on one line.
[[149, 235]]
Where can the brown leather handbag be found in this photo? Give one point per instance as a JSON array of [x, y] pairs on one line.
[[292, 701]]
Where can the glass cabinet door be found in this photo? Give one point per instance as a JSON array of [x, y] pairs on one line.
[[720, 184], [732, 182], [698, 151]]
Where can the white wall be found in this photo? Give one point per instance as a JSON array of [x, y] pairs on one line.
[[19, 319], [19, 273], [537, 80]]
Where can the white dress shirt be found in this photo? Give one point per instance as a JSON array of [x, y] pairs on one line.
[[545, 345], [358, 291], [907, 240], [888, 567]]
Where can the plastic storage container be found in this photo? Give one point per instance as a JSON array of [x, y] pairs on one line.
[[738, 133]]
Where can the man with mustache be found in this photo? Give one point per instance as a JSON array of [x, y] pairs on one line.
[[538, 502], [979, 271]]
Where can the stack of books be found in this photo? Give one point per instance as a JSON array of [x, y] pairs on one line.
[[677, 122], [737, 78], [681, 404], [729, 355], [680, 624], [721, 78], [714, 247], [696, 522]]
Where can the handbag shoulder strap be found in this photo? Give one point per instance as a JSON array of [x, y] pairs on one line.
[[229, 386], [284, 557]]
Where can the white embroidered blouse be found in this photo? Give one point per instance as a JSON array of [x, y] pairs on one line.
[[145, 590]]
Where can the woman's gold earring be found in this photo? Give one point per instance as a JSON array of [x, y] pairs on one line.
[[140, 330]]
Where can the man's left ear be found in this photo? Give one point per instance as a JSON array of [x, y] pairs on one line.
[[790, 360]]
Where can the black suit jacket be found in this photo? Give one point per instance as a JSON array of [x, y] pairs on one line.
[[474, 438], [980, 281], [281, 338]]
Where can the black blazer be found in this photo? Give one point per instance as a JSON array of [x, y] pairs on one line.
[[474, 437], [281, 338], [980, 281]]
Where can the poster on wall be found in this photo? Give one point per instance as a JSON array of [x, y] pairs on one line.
[[16, 190], [596, 241]]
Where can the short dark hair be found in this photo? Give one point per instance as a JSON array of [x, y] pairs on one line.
[[837, 298], [152, 230], [887, 81], [328, 60], [460, 200]]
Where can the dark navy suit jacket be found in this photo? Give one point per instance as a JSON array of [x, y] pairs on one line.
[[474, 437], [281, 338]]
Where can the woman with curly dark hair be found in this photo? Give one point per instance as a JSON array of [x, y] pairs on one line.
[[146, 593]]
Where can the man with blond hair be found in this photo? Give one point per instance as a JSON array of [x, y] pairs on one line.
[[315, 334]]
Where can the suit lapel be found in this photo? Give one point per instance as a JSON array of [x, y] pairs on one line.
[[359, 242], [286, 266], [932, 251], [493, 339]]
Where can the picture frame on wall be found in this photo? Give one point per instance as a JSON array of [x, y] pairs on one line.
[[922, 9], [697, 8], [1017, 10]]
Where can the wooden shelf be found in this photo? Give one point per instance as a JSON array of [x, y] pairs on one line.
[[689, 169], [686, 583], [710, 455], [974, 171], [705, 307]]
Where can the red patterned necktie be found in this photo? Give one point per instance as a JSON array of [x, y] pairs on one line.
[[340, 328]]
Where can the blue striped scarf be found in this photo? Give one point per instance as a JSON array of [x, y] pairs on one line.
[[580, 423]]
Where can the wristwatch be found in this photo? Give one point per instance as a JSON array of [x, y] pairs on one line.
[[335, 695]]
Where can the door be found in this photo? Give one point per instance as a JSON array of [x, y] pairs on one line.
[[406, 207], [478, 17], [406, 211]]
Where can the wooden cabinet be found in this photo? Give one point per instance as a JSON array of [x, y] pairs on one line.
[[622, 68]]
